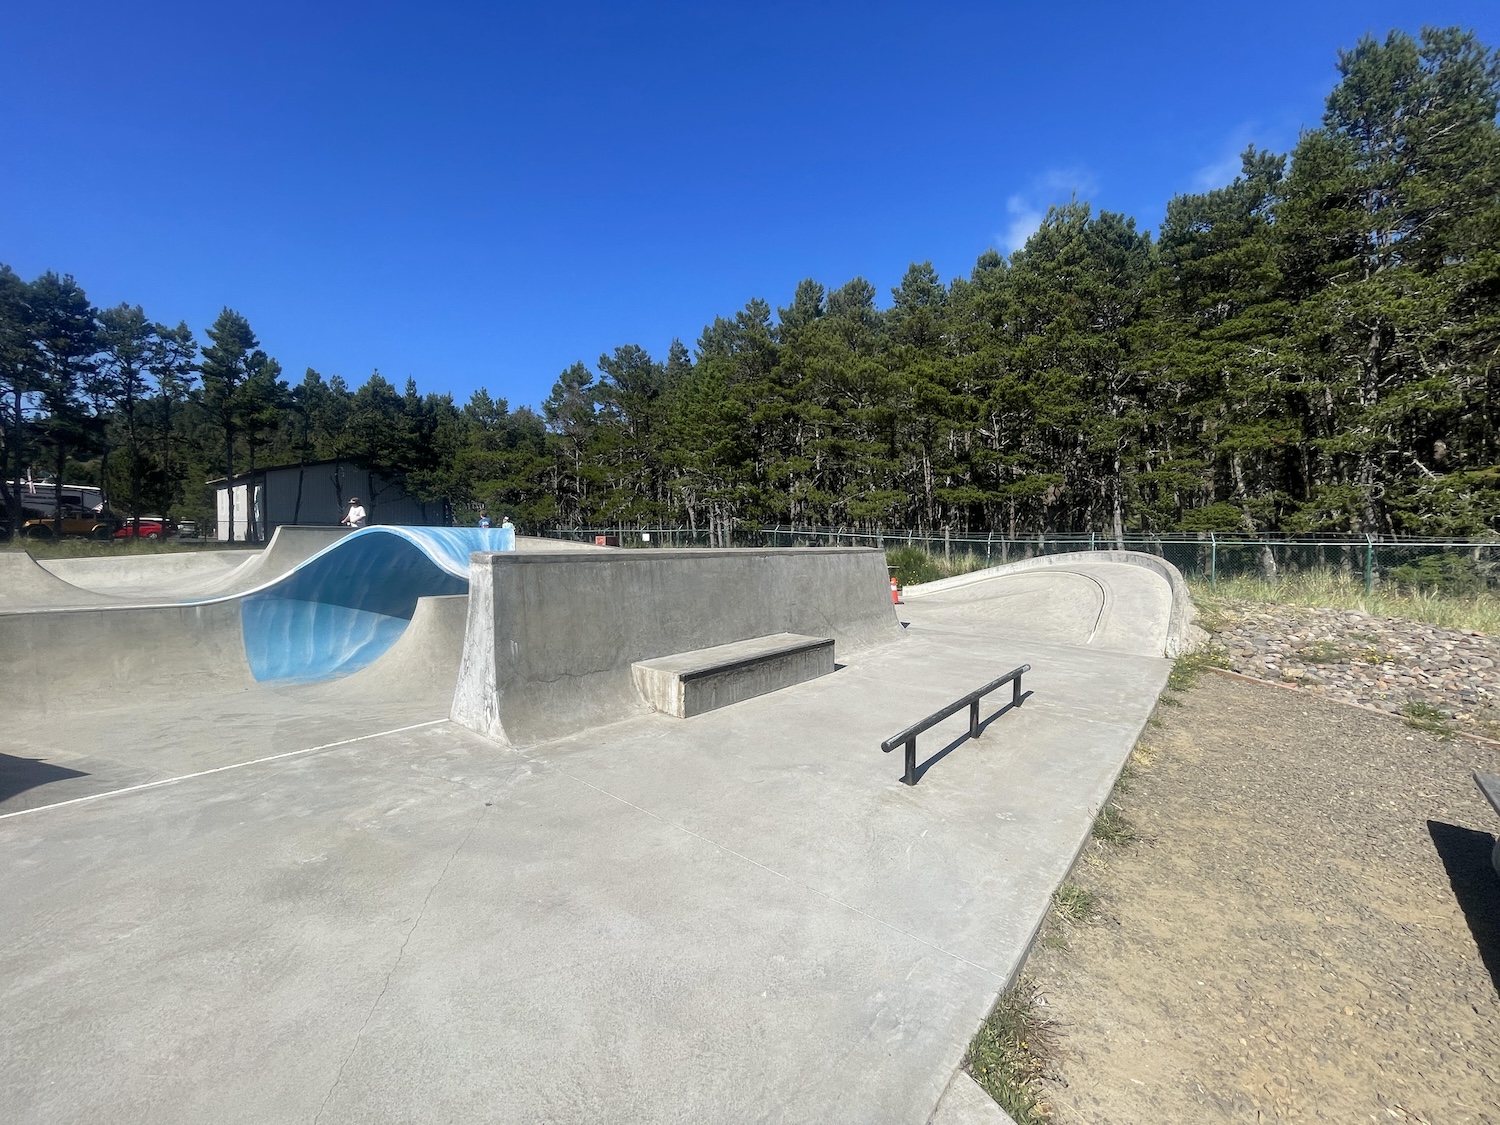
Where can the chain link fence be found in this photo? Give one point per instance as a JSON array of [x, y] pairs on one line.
[[1454, 566]]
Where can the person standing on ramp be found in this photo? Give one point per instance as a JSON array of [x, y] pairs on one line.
[[357, 516]]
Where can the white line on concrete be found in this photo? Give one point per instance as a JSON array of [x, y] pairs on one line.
[[221, 769]]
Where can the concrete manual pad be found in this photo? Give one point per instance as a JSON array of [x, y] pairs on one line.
[[740, 917]]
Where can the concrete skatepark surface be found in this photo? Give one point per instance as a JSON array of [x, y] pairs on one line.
[[241, 901]]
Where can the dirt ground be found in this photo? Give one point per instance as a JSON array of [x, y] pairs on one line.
[[1307, 927]]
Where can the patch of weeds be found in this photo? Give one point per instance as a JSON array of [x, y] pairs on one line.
[[1074, 905], [1327, 652], [1188, 667], [1126, 781], [1112, 829], [1423, 716], [1144, 755], [1008, 1055], [1054, 938]]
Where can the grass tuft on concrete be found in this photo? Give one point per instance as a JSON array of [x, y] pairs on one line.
[[1008, 1055]]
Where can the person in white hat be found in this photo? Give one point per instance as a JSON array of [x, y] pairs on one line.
[[356, 516]]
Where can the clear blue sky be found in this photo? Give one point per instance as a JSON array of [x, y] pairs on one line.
[[481, 194]]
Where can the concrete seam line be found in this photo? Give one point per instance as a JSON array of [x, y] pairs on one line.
[[396, 964], [220, 769], [766, 868]]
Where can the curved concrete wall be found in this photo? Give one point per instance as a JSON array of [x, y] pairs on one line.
[[1180, 636], [551, 637]]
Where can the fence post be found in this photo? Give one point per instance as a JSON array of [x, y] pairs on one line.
[[1369, 564], [1092, 548], [1213, 561], [947, 545]]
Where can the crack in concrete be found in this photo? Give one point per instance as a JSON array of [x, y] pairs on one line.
[[396, 964]]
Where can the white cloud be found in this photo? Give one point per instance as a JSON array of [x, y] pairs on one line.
[[1028, 208], [1226, 166], [1024, 221]]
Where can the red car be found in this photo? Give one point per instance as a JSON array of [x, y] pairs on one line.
[[152, 527]]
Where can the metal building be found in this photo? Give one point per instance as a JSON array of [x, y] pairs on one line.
[[314, 492]]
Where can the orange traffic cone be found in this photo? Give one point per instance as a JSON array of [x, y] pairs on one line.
[[895, 591]]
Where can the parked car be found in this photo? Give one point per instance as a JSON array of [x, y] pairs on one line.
[[187, 529], [75, 523], [152, 527]]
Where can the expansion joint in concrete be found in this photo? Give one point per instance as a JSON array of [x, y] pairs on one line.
[[396, 964]]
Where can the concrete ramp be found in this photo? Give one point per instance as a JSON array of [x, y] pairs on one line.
[[422, 665], [1115, 601], [26, 584], [551, 637], [157, 574]]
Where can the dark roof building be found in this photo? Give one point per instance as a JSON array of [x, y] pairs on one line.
[[314, 492]]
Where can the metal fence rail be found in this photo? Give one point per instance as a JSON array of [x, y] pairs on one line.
[[1455, 565], [908, 737]]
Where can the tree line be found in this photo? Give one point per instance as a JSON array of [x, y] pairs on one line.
[[1313, 348]]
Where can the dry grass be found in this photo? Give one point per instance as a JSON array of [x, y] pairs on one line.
[[1330, 589], [94, 548]]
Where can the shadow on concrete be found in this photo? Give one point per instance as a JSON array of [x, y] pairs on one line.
[[17, 775], [1466, 855], [923, 767]]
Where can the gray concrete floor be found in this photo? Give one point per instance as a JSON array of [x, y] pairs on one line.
[[381, 917]]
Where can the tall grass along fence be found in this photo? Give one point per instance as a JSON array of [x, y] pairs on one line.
[[1451, 566]]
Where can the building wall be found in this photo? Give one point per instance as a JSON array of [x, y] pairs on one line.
[[319, 494]]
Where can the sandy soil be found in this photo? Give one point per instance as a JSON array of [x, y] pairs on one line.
[[1306, 929]]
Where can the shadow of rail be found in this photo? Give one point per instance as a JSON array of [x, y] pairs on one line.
[[1466, 856]]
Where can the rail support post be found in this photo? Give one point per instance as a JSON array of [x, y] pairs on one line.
[[1015, 692], [911, 762], [974, 719]]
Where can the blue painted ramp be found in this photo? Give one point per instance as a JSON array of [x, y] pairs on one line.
[[340, 609]]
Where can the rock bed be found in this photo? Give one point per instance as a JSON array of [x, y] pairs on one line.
[[1395, 665]]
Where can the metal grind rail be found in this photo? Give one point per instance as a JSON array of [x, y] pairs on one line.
[[971, 701]]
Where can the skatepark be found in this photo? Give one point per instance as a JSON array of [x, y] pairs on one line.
[[392, 825]]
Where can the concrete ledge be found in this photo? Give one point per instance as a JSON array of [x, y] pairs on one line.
[[690, 683], [551, 637]]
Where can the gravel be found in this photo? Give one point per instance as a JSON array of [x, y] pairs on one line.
[[1307, 927], [1381, 662]]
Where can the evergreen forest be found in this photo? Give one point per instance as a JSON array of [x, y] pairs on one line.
[[1313, 348]]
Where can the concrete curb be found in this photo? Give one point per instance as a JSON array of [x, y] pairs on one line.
[[1181, 636]]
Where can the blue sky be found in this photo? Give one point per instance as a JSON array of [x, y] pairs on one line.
[[481, 194]]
